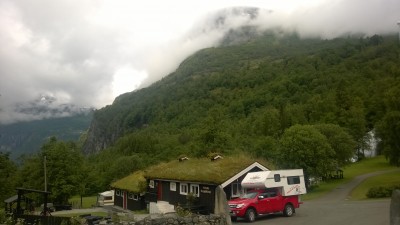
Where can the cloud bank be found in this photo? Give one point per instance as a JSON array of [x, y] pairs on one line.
[[86, 52]]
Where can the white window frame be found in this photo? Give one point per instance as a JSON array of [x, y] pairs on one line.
[[118, 193], [238, 188], [185, 187], [130, 195], [135, 197], [172, 186], [195, 190], [151, 183]]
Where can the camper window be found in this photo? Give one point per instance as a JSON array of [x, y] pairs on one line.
[[277, 177], [293, 180]]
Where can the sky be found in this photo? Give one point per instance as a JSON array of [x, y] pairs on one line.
[[87, 52]]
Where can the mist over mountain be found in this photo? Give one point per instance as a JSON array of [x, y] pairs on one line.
[[40, 120]]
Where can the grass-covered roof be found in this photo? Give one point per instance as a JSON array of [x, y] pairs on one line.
[[201, 169], [135, 183]]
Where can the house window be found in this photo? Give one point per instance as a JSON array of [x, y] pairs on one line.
[[293, 180], [118, 193], [183, 188], [236, 188], [135, 197], [172, 186], [151, 183], [195, 190], [130, 195]]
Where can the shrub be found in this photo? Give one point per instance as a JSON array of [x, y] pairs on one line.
[[381, 192]]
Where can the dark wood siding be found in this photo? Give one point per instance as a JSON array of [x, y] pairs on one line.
[[138, 204], [207, 197], [151, 195], [118, 200]]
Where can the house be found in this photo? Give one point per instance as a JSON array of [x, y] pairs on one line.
[[129, 192], [195, 181]]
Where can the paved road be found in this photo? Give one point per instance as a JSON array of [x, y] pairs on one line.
[[336, 208]]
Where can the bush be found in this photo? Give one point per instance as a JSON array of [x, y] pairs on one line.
[[381, 192]]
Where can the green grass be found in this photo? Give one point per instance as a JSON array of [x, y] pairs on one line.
[[384, 180], [365, 166], [87, 202]]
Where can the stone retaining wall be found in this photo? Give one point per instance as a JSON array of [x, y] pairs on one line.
[[173, 219]]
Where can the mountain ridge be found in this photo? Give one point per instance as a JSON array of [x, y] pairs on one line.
[[233, 83]]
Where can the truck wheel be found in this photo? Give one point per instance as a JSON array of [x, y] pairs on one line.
[[250, 215], [288, 210], [233, 218]]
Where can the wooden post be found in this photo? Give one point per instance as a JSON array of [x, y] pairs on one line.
[[395, 208]]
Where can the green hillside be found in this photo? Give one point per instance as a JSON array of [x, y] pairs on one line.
[[255, 97]]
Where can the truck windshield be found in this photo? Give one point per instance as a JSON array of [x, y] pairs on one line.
[[249, 195]]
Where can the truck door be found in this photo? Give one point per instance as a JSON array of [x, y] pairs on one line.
[[274, 203], [263, 203]]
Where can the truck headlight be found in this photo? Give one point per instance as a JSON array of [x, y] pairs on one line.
[[240, 205]]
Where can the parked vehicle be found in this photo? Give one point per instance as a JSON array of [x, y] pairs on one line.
[[269, 192]]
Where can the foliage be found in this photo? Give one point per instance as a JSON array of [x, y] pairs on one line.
[[303, 146], [63, 170], [242, 97], [7, 176], [388, 128], [381, 192]]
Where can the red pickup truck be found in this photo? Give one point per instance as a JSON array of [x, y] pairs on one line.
[[262, 202]]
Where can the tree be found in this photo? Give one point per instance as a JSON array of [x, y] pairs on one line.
[[64, 168], [303, 146], [340, 141], [7, 176], [389, 131]]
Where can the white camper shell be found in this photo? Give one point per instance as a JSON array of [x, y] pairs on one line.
[[105, 198], [291, 181]]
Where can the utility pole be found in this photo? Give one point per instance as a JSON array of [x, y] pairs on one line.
[[45, 174]]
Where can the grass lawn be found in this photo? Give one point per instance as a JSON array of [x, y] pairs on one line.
[[368, 165], [384, 180], [87, 202]]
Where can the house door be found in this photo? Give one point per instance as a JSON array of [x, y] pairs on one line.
[[159, 191], [124, 200]]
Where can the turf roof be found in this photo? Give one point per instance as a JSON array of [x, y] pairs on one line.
[[201, 170], [135, 183]]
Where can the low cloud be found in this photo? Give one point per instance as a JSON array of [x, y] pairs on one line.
[[75, 51]]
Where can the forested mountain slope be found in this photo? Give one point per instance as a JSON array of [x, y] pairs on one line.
[[241, 97], [28, 137]]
